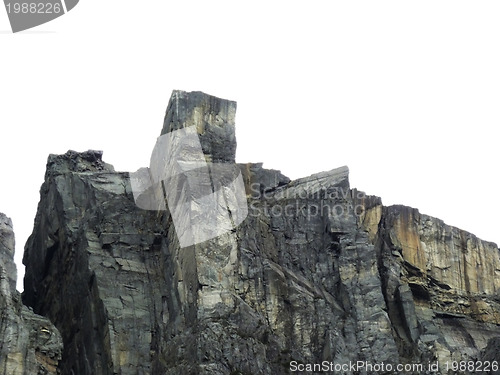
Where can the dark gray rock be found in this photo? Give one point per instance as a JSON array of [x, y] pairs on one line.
[[259, 180], [316, 272], [29, 343], [96, 259], [213, 118], [490, 356]]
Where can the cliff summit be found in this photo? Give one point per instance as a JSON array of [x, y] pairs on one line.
[[304, 274]]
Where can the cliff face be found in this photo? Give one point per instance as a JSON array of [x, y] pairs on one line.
[[29, 343], [316, 272]]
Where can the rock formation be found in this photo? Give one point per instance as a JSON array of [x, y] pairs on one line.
[[29, 343], [318, 271]]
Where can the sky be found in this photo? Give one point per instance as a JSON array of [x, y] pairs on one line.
[[405, 93]]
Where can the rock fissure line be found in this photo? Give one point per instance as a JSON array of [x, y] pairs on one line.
[[318, 271]]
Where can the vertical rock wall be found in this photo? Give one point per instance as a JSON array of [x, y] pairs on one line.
[[93, 266], [316, 272], [29, 343]]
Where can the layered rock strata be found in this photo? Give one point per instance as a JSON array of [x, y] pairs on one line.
[[316, 272], [29, 343]]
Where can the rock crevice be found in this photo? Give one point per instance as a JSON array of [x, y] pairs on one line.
[[318, 271]]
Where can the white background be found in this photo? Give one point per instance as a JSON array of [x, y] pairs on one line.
[[404, 93]]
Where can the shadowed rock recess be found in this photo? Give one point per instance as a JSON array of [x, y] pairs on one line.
[[318, 271]]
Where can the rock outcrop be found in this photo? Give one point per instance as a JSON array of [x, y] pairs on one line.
[[29, 343], [316, 272]]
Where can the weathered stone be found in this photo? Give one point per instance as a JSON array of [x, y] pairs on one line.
[[213, 118], [259, 180], [406, 303], [452, 256], [101, 262], [29, 343], [316, 272], [490, 356]]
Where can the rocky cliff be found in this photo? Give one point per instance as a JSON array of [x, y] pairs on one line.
[[29, 343], [316, 273]]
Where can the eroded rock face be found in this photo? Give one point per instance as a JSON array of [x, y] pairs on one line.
[[316, 272], [29, 343], [94, 267], [213, 118], [441, 282]]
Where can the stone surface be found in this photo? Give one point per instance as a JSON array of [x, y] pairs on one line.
[[29, 343], [101, 267], [453, 278], [213, 118], [316, 272], [491, 355]]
